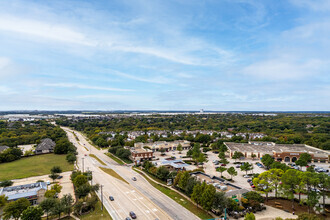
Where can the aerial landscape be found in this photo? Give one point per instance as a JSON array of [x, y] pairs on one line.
[[164, 110]]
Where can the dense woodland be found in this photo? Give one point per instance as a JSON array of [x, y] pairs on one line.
[[308, 129]]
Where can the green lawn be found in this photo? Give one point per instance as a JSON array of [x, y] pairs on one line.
[[179, 199], [33, 166]]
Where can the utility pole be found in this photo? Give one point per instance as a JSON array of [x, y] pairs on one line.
[[102, 197], [83, 164]]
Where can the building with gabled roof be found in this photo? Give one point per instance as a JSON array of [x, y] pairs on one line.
[[46, 146]]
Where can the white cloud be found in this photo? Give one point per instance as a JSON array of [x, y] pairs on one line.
[[4, 62], [280, 69], [316, 5], [44, 30], [157, 79], [82, 86]]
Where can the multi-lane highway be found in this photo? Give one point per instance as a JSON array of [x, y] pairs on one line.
[[138, 196]]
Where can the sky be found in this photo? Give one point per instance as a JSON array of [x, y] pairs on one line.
[[165, 55]]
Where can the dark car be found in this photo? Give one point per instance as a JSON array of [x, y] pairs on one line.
[[127, 218], [134, 179], [223, 165], [59, 177], [111, 198], [132, 214], [249, 180]]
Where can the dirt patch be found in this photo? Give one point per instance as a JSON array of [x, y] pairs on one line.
[[287, 206]]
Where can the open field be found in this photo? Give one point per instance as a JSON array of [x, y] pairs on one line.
[[113, 173], [33, 166], [178, 198]]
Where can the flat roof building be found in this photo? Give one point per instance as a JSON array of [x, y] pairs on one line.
[[139, 154], [280, 152], [34, 192], [168, 146]]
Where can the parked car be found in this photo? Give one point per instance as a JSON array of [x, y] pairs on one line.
[[223, 165], [59, 177], [132, 214], [246, 176], [238, 166], [127, 218], [253, 186], [134, 179], [249, 180], [111, 198]]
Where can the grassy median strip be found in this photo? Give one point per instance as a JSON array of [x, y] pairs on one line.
[[178, 198], [113, 173], [33, 166], [98, 159], [115, 158]]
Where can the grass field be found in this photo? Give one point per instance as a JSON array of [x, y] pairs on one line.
[[98, 159], [179, 199], [33, 166], [113, 173]]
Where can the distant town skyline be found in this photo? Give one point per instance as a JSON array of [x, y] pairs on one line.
[[230, 55]]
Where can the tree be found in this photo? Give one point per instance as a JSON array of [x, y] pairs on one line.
[[290, 180], [246, 167], [32, 213], [53, 176], [71, 158], [83, 190], [201, 158], [15, 209], [221, 170], [192, 181], [324, 185], [57, 188], [254, 196], [162, 151], [177, 178], [275, 178], [208, 197], [232, 172], [58, 208], [249, 216], [6, 183], [263, 184], [80, 180], [253, 156], [47, 205], [237, 155], [197, 193], [222, 155], [312, 199], [3, 200], [184, 179], [220, 201], [224, 161], [56, 169], [267, 160], [162, 173], [179, 148], [67, 201], [50, 193]]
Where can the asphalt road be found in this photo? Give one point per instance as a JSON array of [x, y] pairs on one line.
[[126, 197], [138, 196]]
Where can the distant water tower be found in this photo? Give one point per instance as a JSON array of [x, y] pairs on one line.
[[201, 111]]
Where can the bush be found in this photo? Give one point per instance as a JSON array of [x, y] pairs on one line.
[[6, 183]]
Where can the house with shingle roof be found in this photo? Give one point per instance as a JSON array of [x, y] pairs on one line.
[[46, 146]]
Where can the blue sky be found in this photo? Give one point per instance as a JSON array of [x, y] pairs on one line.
[[165, 55]]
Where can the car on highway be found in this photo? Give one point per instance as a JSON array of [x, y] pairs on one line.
[[132, 214], [111, 198], [134, 179]]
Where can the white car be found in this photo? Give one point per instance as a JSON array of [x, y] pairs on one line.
[[246, 176]]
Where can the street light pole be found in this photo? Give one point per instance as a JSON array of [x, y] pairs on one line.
[[102, 197], [83, 164]]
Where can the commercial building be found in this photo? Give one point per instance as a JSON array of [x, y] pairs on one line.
[[280, 152], [174, 164], [34, 192], [168, 146], [139, 154]]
